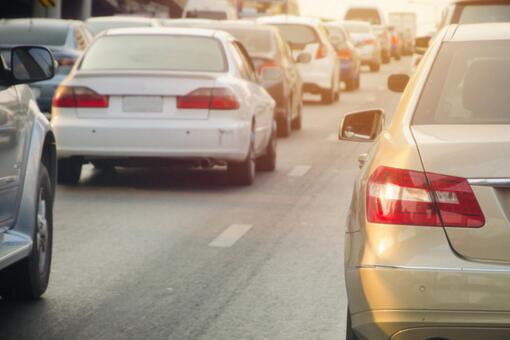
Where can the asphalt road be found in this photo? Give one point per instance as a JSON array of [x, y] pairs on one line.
[[155, 254]]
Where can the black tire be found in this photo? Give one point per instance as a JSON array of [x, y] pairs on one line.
[[349, 333], [358, 82], [243, 173], [351, 85], [285, 124], [297, 123], [397, 57], [268, 161], [385, 57], [375, 67], [328, 96], [69, 170], [28, 279]]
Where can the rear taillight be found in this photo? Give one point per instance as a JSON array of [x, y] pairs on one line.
[[209, 99], [394, 39], [322, 52], [368, 42], [78, 97], [345, 54], [406, 197]]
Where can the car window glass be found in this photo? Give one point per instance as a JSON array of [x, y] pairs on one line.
[[255, 41], [179, 53], [370, 15], [17, 34], [468, 85], [298, 36], [474, 14], [96, 27]]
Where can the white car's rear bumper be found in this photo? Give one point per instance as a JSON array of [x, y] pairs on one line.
[[319, 73], [220, 139]]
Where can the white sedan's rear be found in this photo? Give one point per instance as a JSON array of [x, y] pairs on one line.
[[164, 94]]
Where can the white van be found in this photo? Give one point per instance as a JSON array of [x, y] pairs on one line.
[[211, 9]]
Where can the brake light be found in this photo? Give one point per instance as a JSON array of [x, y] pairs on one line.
[[394, 39], [322, 52], [79, 97], [209, 99], [345, 54], [405, 197], [368, 42]]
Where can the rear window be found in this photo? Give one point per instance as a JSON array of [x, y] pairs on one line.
[[255, 41], [96, 27], [468, 84], [298, 36], [36, 35], [370, 15], [357, 28], [474, 14], [215, 15], [173, 53]]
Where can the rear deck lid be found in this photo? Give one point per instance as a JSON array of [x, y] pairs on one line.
[[462, 128]]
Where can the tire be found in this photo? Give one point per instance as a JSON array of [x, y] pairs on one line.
[[328, 96], [28, 279], [349, 333], [358, 82], [297, 123], [69, 170], [268, 161], [375, 67], [285, 125], [385, 57], [351, 84], [243, 173]]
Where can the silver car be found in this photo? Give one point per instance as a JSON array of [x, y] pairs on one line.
[[27, 176], [427, 252]]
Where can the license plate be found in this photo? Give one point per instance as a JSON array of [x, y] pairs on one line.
[[142, 104]]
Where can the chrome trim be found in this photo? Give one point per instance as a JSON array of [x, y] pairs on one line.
[[490, 182], [435, 269], [9, 180]]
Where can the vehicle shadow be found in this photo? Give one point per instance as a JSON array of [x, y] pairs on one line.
[[19, 313]]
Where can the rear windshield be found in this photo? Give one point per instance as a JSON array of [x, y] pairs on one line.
[[96, 27], [469, 84], [215, 15], [370, 15], [298, 36], [357, 28], [474, 14], [173, 53], [36, 35], [255, 41]]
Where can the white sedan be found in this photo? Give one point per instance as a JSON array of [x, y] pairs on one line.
[[161, 96]]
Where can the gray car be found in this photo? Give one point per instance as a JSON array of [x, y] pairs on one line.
[[27, 176]]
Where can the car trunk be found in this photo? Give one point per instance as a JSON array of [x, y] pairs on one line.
[[479, 153], [147, 95]]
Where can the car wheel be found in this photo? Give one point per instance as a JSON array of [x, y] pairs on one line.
[[297, 123], [375, 66], [69, 170], [349, 333], [268, 161], [28, 279], [285, 126], [243, 173], [358, 81], [350, 85], [328, 96], [385, 58]]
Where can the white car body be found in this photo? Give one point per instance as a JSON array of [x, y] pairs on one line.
[[319, 74], [142, 119]]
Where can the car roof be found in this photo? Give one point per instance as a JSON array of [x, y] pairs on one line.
[[38, 22], [478, 32], [219, 24], [167, 31], [356, 22], [289, 19], [120, 18]]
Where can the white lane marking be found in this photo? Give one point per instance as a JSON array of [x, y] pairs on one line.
[[299, 170], [332, 138], [230, 236]]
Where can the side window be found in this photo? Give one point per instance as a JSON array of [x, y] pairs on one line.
[[80, 39]]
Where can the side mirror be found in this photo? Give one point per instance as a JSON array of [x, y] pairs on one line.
[[362, 126], [304, 58], [31, 64], [421, 44], [398, 82]]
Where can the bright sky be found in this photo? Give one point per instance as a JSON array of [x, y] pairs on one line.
[[427, 10]]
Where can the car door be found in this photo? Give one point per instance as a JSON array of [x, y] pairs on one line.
[[13, 127], [262, 102]]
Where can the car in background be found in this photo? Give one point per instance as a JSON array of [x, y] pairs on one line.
[[97, 25], [273, 60], [165, 96], [426, 246], [309, 41], [348, 54], [67, 39], [366, 42], [406, 24], [396, 43], [210, 9], [375, 17], [27, 176]]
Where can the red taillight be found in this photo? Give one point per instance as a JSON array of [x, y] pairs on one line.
[[345, 54], [209, 99], [322, 52], [394, 39], [78, 97], [405, 197], [368, 42]]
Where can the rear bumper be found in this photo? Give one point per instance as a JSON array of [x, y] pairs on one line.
[[221, 139], [422, 303], [348, 70], [318, 73]]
